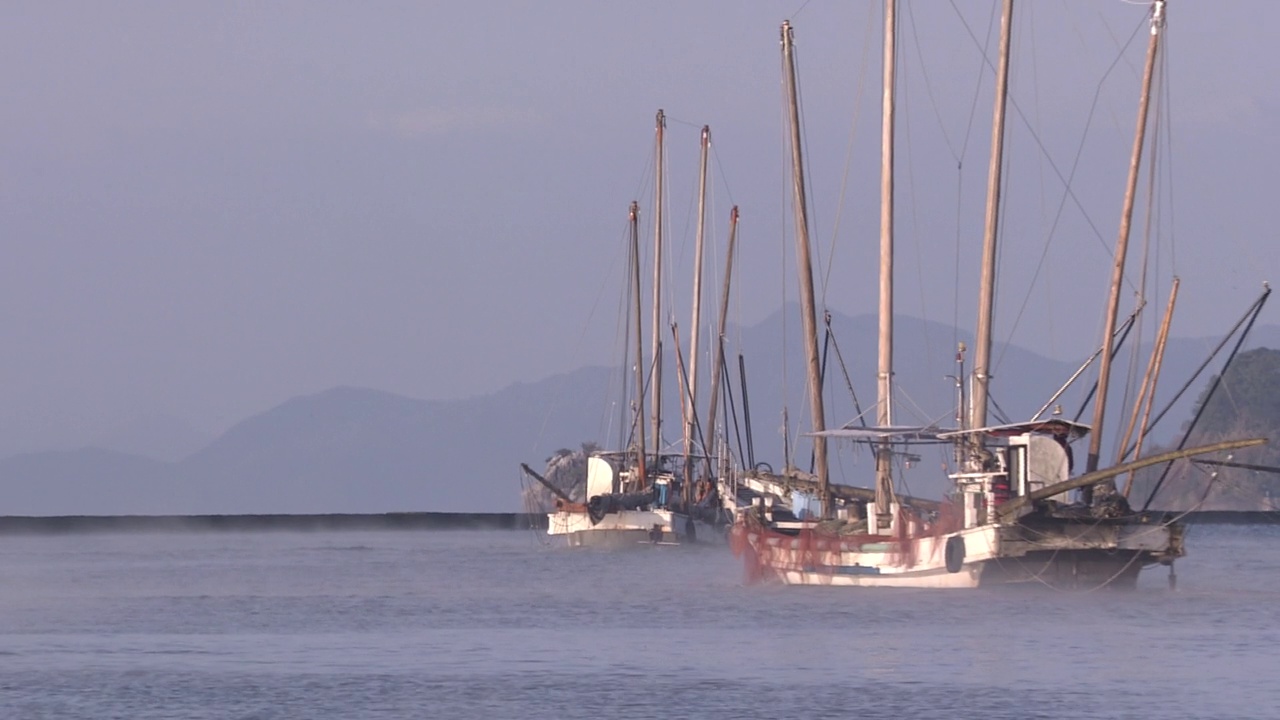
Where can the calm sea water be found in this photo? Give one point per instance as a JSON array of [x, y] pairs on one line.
[[499, 625]]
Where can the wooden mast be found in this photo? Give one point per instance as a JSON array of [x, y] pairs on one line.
[[884, 384], [657, 282], [1149, 386], [717, 363], [695, 327], [639, 369], [805, 269], [990, 234], [1122, 246]]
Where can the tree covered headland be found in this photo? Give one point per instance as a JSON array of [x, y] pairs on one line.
[[1245, 404]]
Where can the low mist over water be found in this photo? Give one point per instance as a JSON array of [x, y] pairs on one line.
[[498, 624]]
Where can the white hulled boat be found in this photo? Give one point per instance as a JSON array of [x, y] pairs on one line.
[[1013, 515]]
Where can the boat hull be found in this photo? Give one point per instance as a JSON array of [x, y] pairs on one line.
[[1059, 554], [631, 528]]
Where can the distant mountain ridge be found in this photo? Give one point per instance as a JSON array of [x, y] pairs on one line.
[[361, 450], [160, 437]]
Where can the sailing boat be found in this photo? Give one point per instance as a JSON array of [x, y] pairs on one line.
[[637, 496], [1010, 518]]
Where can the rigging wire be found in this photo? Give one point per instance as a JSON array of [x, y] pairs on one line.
[[915, 208], [734, 307], [958, 156], [724, 177], [606, 280], [928, 87], [1068, 192], [848, 158], [964, 148], [1043, 186], [844, 369], [1213, 386], [1039, 143], [920, 415], [803, 5]]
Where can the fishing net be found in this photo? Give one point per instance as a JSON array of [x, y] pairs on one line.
[[821, 551]]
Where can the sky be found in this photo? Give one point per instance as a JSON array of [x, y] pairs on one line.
[[210, 207]]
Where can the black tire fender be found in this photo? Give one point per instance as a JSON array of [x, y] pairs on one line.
[[955, 553]]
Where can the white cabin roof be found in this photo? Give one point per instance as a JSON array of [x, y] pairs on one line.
[[918, 434], [1055, 426]]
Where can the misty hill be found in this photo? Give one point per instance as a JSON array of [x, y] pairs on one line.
[[343, 450], [159, 437], [362, 450], [91, 481]]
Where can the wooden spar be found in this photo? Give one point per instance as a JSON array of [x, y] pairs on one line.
[[659, 151], [978, 398], [884, 364], [546, 484], [641, 460], [1242, 466], [1148, 387], [717, 363], [1012, 507], [805, 269], [682, 384], [746, 411], [695, 329], [1122, 247]]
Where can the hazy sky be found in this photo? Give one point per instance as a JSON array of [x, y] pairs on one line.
[[210, 207]]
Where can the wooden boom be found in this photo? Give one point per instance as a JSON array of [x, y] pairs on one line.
[[1015, 505], [546, 484]]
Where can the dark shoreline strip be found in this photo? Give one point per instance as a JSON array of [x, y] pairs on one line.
[[71, 524], [1234, 517], [66, 524]]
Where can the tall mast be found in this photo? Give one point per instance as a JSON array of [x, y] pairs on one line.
[[1122, 247], [987, 286], [807, 304], [695, 327], [657, 282], [717, 364], [639, 369], [884, 384]]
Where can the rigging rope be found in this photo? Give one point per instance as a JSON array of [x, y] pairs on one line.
[[964, 147], [848, 158], [606, 280], [1037, 140], [1068, 193], [1213, 386]]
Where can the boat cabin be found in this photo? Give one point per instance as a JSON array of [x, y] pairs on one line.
[[1012, 461], [612, 473]]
